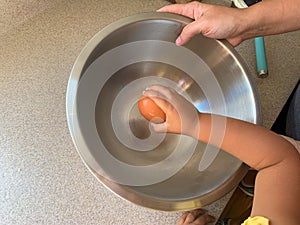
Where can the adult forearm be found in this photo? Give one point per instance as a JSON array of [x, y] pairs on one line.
[[270, 17]]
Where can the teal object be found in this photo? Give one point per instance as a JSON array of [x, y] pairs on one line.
[[261, 59]]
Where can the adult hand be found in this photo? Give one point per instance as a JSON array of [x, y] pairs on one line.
[[195, 217], [212, 21], [181, 115]]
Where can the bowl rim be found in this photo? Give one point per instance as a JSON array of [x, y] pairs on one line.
[[119, 189]]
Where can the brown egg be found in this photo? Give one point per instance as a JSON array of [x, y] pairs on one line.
[[150, 110]]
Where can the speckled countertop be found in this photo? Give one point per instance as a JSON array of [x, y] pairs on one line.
[[42, 178]]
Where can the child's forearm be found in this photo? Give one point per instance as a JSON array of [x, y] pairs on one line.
[[278, 162], [255, 145]]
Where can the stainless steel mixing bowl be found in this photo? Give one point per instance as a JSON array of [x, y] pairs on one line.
[[159, 171]]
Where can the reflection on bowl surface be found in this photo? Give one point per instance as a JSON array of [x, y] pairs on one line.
[[159, 171]]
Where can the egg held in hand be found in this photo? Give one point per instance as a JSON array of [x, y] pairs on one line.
[[150, 110]]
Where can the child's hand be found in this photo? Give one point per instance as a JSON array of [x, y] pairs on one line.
[[181, 115]]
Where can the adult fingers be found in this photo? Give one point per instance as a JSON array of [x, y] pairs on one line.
[[197, 212], [182, 218], [189, 219], [203, 219], [187, 9], [193, 215]]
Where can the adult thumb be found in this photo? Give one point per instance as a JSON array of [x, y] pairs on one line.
[[188, 32]]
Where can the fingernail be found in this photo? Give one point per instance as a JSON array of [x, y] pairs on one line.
[[178, 41], [146, 93]]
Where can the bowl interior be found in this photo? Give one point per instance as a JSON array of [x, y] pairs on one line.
[[159, 171]]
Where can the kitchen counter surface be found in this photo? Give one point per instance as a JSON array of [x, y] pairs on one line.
[[42, 178]]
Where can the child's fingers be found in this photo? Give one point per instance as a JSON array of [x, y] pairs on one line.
[[159, 127], [157, 94], [164, 92], [166, 98], [158, 88], [152, 93]]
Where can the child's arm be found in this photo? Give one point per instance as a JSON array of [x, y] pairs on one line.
[[277, 189]]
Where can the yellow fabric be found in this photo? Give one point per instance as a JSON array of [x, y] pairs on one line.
[[257, 220]]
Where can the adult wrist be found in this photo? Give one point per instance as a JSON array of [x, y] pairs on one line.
[[248, 25]]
